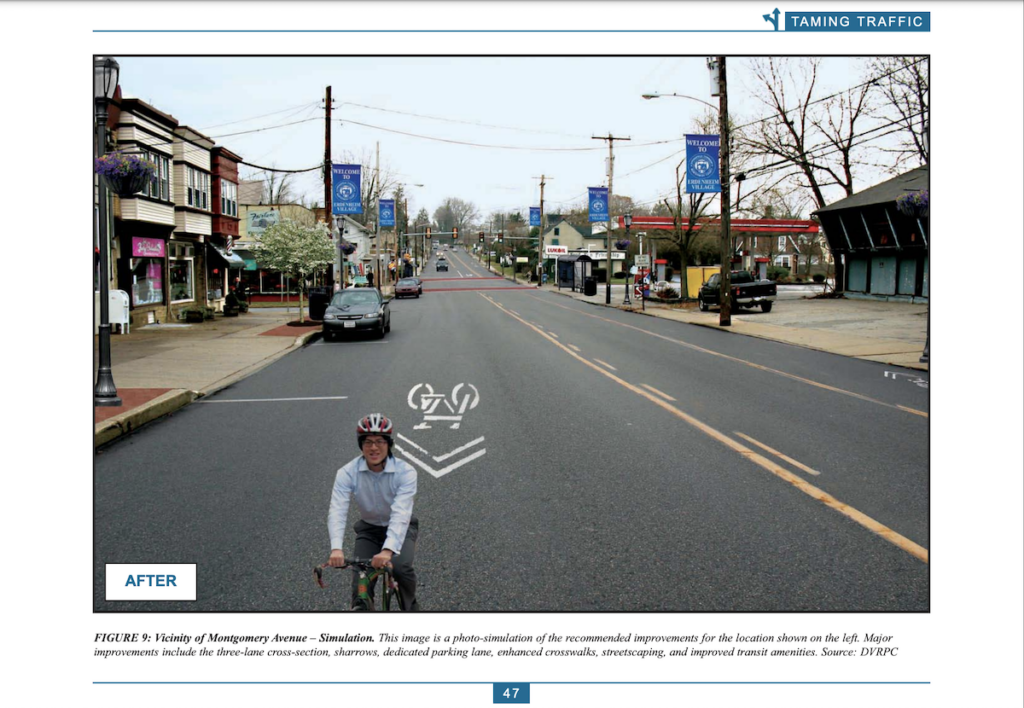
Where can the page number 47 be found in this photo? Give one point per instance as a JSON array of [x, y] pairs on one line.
[[514, 694]]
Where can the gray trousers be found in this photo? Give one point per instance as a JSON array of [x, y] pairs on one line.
[[369, 542]]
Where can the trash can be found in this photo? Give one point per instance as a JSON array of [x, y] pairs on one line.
[[590, 286], [319, 298]]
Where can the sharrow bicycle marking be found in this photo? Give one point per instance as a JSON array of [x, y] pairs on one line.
[[768, 369], [656, 392], [430, 401], [274, 400], [821, 495], [778, 454], [915, 379]]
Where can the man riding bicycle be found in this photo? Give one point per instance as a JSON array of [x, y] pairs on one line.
[[384, 488]]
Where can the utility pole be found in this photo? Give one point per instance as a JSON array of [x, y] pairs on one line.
[[339, 259], [540, 233], [376, 222], [724, 298], [608, 236]]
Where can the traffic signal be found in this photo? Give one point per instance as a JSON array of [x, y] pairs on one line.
[[500, 237], [428, 232], [455, 233], [481, 237]]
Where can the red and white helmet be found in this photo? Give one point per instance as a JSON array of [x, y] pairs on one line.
[[375, 424]]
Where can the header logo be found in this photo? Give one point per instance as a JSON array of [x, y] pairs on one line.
[[773, 20]]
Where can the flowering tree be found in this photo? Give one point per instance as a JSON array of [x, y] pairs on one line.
[[295, 250]]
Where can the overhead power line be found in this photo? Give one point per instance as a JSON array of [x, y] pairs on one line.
[[272, 113]]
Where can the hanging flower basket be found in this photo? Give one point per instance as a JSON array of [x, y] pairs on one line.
[[622, 244], [125, 174], [913, 203], [348, 248]]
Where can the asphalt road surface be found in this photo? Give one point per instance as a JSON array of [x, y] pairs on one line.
[[570, 457]]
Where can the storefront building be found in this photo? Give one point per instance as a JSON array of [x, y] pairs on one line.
[[881, 253], [193, 222], [262, 284], [144, 223], [224, 267]]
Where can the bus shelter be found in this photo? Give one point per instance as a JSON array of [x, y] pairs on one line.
[[573, 270]]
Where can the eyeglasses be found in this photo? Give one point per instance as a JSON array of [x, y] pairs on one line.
[[375, 443]]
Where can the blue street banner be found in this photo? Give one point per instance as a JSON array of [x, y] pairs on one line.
[[347, 198], [386, 212], [534, 216], [702, 174], [598, 203]]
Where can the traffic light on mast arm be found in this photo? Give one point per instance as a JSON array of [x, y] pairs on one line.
[[428, 232], [455, 233], [481, 237]]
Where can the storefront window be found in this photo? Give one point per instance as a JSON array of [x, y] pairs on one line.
[[182, 272], [147, 281]]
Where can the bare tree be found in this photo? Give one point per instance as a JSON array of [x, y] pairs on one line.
[[817, 137], [455, 212], [277, 188], [903, 84]]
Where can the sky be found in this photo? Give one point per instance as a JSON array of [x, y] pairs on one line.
[[525, 103]]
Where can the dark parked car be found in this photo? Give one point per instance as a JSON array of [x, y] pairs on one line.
[[745, 292], [442, 264], [407, 287], [357, 310]]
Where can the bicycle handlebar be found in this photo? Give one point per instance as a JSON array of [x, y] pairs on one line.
[[350, 563]]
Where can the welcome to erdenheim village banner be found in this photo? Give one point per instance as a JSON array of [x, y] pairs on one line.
[[702, 173], [386, 212], [534, 216], [598, 203], [347, 195]]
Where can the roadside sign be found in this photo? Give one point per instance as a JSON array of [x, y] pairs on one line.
[[638, 291], [643, 261]]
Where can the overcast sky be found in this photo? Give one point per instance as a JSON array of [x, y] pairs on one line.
[[521, 102]]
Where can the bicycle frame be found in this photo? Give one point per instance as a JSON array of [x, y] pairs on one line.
[[367, 575]]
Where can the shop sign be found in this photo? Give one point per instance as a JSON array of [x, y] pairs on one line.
[[260, 221], [147, 248], [555, 251]]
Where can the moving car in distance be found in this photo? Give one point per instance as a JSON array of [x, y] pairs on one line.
[[357, 310], [745, 292], [407, 287], [442, 264]]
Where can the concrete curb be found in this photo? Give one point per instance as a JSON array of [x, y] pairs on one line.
[[128, 421], [167, 403]]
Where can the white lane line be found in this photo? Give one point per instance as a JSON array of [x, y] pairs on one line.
[[605, 363], [786, 458], [575, 348], [445, 470], [322, 343], [457, 450], [656, 392], [274, 400]]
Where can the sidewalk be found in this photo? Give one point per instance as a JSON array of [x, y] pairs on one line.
[[888, 332], [160, 368]]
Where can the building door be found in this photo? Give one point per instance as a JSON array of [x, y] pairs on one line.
[[908, 277], [857, 276], [883, 276]]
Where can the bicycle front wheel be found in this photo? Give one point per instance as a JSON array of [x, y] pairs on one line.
[[391, 598]]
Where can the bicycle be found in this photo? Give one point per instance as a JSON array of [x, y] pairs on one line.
[[391, 594]]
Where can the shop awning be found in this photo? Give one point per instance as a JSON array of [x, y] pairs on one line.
[[232, 259]]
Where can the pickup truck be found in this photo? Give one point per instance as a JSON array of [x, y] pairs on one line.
[[746, 292]]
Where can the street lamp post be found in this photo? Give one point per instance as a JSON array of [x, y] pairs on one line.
[[105, 76], [627, 219], [716, 65]]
